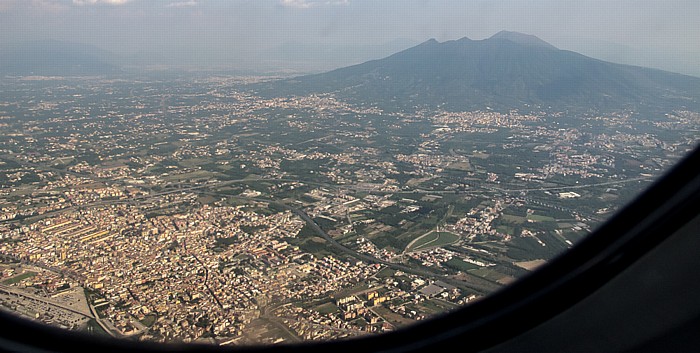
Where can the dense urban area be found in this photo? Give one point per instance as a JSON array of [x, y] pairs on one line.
[[187, 208]]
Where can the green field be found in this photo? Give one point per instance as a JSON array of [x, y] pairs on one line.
[[460, 265], [149, 320], [513, 219], [539, 218], [506, 229], [434, 306], [327, 308], [200, 174], [464, 166], [434, 239], [392, 317], [385, 272], [488, 273], [19, 278]]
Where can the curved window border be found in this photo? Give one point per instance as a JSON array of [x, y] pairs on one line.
[[638, 228]]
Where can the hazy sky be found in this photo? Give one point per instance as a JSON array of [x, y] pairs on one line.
[[240, 32]]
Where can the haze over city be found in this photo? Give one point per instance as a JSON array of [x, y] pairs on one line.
[[317, 35]]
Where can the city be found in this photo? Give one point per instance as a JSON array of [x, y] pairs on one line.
[[190, 209]]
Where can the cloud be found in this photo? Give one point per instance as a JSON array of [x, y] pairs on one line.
[[183, 4], [299, 4], [100, 2], [305, 4]]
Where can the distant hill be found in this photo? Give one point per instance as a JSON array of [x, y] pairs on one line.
[[55, 58], [508, 70]]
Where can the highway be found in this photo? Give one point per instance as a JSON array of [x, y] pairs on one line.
[[49, 301], [477, 284]]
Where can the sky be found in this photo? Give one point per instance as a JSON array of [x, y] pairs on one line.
[[322, 34]]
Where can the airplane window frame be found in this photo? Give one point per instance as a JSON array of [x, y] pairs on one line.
[[670, 203]]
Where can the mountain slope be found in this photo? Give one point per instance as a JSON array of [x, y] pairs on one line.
[[508, 70]]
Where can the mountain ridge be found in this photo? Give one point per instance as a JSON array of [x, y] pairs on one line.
[[521, 38], [507, 70]]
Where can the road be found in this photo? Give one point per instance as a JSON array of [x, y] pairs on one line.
[[477, 284], [49, 301], [106, 325], [206, 274], [450, 209]]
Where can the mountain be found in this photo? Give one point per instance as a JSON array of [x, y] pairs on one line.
[[508, 70], [524, 39], [55, 58]]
